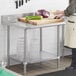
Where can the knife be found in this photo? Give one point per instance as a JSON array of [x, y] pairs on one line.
[[26, 1], [16, 2], [22, 2]]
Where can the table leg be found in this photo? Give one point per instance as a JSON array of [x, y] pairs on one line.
[[25, 68], [40, 42], [58, 47], [25, 52], [63, 41], [8, 46]]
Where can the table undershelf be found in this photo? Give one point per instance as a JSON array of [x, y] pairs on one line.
[[44, 56]]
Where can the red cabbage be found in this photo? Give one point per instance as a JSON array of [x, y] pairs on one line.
[[43, 13]]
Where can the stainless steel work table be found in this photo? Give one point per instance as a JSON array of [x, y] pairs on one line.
[[27, 26]]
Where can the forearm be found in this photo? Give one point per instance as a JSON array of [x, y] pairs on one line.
[[62, 12], [57, 12]]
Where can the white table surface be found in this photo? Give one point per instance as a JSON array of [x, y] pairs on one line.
[[26, 25]]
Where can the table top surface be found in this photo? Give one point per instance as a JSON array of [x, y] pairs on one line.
[[30, 26]]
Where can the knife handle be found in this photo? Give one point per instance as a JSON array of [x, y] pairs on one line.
[[26, 1], [16, 2], [22, 2]]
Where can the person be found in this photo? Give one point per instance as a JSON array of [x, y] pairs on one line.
[[70, 32]]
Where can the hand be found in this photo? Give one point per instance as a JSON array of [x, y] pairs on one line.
[[58, 16], [57, 12]]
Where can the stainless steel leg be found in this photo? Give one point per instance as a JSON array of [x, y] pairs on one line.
[[8, 46], [58, 47], [63, 41], [25, 69], [40, 42], [25, 52]]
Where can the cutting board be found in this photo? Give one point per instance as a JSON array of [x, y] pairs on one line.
[[40, 22], [22, 20]]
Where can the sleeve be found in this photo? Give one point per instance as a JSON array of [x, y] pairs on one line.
[[69, 10]]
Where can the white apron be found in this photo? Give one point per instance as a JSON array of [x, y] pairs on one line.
[[70, 32]]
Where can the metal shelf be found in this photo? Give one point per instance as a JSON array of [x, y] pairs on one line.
[[44, 56]]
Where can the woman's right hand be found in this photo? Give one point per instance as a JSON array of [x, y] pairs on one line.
[[58, 16]]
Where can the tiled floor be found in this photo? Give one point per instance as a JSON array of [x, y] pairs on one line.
[[44, 67]]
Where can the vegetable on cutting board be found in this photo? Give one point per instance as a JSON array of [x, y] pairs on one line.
[[33, 17], [43, 12]]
